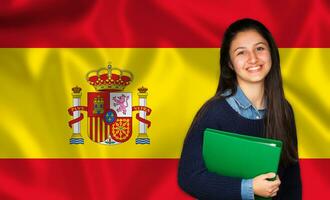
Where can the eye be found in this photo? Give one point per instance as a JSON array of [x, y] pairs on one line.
[[240, 53], [260, 48]]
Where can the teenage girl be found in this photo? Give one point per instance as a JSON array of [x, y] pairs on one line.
[[249, 100]]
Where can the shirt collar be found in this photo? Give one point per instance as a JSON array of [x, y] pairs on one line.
[[241, 99]]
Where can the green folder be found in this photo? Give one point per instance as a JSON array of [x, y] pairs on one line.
[[241, 156]]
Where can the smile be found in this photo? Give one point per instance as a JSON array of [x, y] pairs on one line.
[[254, 69]]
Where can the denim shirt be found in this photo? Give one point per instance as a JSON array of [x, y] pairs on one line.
[[241, 104]]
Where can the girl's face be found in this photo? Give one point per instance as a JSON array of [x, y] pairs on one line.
[[250, 57]]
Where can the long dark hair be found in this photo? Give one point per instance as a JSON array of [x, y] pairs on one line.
[[279, 119]]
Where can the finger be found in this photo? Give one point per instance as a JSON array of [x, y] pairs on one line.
[[275, 183], [278, 178], [271, 175], [273, 194], [274, 189], [268, 175]]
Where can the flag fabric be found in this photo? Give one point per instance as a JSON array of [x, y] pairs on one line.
[[171, 48]]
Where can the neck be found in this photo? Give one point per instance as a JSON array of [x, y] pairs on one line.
[[255, 93]]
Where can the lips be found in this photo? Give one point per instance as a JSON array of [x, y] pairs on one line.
[[254, 68]]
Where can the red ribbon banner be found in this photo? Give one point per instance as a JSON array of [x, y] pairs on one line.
[[76, 108], [142, 108]]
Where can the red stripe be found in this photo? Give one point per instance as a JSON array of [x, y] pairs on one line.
[[89, 179], [101, 131], [180, 23], [91, 127], [105, 131], [316, 178], [122, 178], [110, 130], [96, 129]]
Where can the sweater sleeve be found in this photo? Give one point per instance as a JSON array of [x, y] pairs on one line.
[[291, 180], [193, 177]]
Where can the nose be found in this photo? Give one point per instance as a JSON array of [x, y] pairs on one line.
[[253, 57]]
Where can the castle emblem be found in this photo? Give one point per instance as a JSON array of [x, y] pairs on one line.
[[109, 109]]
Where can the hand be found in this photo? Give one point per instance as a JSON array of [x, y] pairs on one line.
[[264, 188]]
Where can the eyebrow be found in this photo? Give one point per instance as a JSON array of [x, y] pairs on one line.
[[254, 45], [238, 48], [260, 43]]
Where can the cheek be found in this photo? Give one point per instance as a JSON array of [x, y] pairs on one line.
[[265, 56], [239, 63], [267, 59]]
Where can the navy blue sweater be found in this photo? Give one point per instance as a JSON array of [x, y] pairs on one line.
[[196, 180]]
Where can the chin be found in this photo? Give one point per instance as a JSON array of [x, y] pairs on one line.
[[255, 80]]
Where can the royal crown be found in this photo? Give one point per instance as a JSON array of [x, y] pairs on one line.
[[76, 89], [109, 79], [143, 89]]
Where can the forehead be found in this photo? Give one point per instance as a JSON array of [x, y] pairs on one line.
[[247, 38]]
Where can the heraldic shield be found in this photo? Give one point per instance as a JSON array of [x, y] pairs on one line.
[[109, 109], [109, 117]]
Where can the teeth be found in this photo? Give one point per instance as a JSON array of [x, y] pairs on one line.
[[254, 68]]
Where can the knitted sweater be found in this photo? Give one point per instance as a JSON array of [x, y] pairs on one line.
[[196, 180]]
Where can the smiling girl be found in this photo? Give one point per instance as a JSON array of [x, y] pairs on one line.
[[249, 100]]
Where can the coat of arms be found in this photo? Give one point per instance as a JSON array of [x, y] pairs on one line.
[[109, 109]]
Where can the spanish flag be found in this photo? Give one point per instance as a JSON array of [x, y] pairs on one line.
[[172, 49]]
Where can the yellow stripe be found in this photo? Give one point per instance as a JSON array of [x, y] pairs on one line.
[[36, 92]]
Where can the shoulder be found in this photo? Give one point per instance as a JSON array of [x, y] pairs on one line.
[[208, 116], [214, 106], [213, 112]]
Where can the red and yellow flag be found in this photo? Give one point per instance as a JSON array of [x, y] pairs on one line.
[[172, 48]]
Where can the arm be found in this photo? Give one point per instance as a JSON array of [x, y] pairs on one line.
[[247, 189], [193, 177]]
